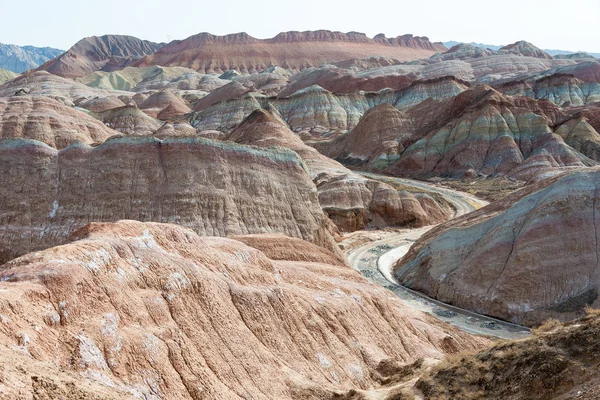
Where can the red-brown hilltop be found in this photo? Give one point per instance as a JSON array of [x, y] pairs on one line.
[[106, 53], [291, 50]]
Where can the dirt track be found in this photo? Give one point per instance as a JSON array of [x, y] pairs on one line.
[[376, 259]]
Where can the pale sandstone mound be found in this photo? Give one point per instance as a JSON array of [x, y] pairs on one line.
[[106, 53], [164, 105], [214, 188], [528, 257], [47, 120], [129, 120], [290, 50], [350, 200], [150, 78], [155, 311]]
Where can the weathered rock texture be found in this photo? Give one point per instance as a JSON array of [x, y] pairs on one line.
[[106, 53], [528, 257], [47, 120], [290, 50], [155, 311], [349, 199], [214, 188]]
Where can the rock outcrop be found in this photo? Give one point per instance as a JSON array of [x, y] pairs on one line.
[[146, 310], [106, 53], [290, 50], [526, 258], [214, 188], [49, 121]]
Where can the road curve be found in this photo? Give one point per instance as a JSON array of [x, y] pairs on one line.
[[375, 261]]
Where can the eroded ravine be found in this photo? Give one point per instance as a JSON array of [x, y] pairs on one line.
[[375, 261]]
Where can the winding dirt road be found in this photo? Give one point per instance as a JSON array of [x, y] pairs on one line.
[[375, 261]]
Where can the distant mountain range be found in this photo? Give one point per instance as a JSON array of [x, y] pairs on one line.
[[22, 58], [452, 43]]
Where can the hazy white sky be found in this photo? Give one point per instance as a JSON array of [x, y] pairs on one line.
[[551, 24]]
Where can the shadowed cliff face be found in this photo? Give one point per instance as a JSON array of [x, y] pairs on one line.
[[528, 257], [213, 188], [154, 311]]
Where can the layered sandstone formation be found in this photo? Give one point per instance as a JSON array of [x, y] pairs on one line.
[[528, 257], [46, 120], [484, 132], [164, 105], [314, 110], [351, 201], [130, 120], [146, 310], [106, 53], [290, 50], [214, 188]]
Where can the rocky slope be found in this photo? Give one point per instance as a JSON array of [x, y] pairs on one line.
[[528, 257], [478, 132], [22, 58], [106, 53], [559, 362], [150, 310], [46, 120], [290, 50], [214, 188], [350, 200]]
